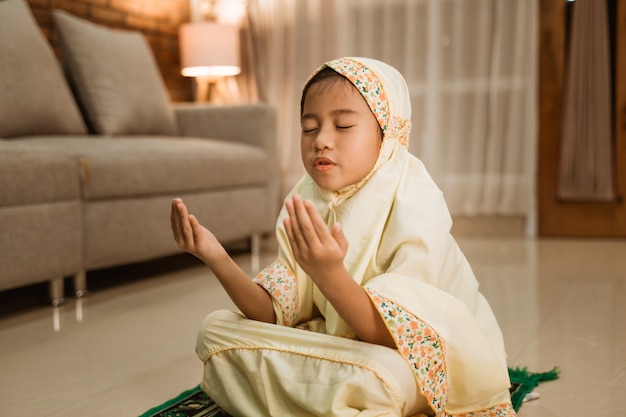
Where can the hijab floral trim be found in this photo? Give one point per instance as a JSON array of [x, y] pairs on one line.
[[399, 128], [371, 88], [424, 349], [420, 345], [499, 410], [368, 85]]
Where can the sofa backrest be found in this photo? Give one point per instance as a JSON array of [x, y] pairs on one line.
[[113, 78], [34, 95]]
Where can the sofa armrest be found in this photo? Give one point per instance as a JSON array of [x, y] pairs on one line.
[[253, 124]]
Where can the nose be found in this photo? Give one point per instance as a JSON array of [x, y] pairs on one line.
[[323, 140]]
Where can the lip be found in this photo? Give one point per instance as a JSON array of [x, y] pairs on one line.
[[323, 164]]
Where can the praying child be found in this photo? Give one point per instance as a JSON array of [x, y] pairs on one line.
[[371, 308]]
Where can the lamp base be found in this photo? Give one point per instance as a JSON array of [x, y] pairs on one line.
[[213, 90]]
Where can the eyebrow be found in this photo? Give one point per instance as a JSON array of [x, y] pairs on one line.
[[334, 113]]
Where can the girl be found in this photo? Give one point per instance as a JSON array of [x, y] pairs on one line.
[[378, 311]]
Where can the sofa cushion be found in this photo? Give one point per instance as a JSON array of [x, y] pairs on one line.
[[39, 242], [34, 96], [115, 77], [148, 166], [37, 175]]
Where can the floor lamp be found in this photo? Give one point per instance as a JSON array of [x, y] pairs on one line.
[[209, 52]]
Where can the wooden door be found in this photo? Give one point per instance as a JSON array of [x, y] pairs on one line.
[[561, 218]]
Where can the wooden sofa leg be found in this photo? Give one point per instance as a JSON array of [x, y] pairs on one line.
[[80, 284], [255, 248], [56, 291]]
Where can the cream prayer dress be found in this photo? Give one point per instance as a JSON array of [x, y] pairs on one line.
[[450, 358]]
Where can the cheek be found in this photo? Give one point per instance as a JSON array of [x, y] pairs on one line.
[[306, 153], [304, 146], [368, 155], [373, 149], [374, 152], [303, 155], [374, 141]]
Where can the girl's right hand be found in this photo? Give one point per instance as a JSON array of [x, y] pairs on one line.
[[192, 237], [319, 251]]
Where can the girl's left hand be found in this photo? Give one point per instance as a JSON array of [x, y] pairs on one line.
[[319, 251]]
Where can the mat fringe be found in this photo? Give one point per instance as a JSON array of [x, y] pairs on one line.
[[528, 381]]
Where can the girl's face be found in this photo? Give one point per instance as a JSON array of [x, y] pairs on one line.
[[340, 138]]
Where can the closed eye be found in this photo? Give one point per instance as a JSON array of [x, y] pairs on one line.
[[344, 127]]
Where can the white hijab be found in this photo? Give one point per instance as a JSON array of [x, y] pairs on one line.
[[402, 253]]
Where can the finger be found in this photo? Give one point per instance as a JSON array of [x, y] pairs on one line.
[[340, 237], [294, 224], [175, 217], [184, 229], [289, 229], [173, 210], [318, 224], [305, 223], [196, 228], [290, 236]]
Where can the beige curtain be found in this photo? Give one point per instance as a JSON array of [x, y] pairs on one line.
[[471, 68], [586, 154], [245, 84]]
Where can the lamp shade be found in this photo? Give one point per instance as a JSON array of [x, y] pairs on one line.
[[209, 49]]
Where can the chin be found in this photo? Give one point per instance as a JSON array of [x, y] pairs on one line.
[[325, 186], [331, 187]]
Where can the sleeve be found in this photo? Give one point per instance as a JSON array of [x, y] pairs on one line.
[[280, 283]]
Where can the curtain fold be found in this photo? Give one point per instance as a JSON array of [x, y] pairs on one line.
[[586, 170], [471, 69], [246, 82]]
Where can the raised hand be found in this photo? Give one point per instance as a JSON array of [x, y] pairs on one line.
[[319, 251], [191, 236]]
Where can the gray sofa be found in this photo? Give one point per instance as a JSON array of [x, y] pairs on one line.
[[91, 157]]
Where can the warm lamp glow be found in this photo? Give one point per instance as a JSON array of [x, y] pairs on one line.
[[211, 71], [231, 11], [209, 50]]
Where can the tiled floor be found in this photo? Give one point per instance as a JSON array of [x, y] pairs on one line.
[[130, 346]]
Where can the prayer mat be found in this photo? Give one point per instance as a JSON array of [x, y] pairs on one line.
[[191, 403], [195, 403]]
